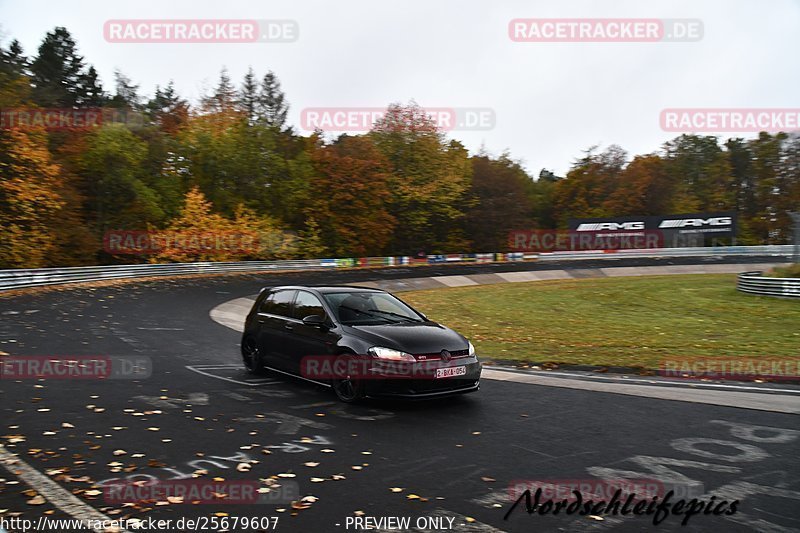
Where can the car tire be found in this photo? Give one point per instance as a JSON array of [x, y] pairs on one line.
[[251, 356], [347, 389]]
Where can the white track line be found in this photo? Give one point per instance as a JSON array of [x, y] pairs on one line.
[[613, 379], [254, 383], [52, 491], [777, 403]]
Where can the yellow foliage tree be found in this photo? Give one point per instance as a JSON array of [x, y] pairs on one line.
[[29, 199]]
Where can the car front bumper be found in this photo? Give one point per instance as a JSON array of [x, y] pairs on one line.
[[425, 384]]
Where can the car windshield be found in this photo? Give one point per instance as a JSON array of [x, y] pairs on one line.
[[370, 308]]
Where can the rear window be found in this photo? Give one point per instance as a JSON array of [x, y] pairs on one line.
[[278, 303]]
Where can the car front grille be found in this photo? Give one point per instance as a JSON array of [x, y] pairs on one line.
[[438, 355]]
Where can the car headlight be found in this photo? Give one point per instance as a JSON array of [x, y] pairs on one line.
[[471, 348], [389, 354]]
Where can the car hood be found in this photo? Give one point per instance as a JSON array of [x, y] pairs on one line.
[[412, 337]]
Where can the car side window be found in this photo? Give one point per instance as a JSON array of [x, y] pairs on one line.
[[266, 303], [278, 303], [307, 304]]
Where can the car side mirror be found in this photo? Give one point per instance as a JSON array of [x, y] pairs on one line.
[[314, 320]]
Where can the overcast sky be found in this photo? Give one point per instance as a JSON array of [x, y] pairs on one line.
[[551, 100]]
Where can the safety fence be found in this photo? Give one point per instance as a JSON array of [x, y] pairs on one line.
[[756, 283], [23, 278]]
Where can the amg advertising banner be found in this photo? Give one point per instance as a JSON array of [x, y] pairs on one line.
[[690, 229]]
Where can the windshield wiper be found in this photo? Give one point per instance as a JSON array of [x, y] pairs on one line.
[[398, 315], [367, 313]]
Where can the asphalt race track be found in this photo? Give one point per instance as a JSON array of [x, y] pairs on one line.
[[454, 460]]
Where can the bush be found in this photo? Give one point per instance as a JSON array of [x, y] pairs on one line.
[[788, 271]]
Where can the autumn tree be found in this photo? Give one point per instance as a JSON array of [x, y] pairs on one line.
[[112, 167], [589, 184], [29, 199], [183, 237], [350, 197], [646, 188], [168, 111], [429, 184], [223, 98], [501, 189]]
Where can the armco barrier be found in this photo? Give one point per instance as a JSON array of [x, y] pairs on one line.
[[22, 278], [755, 283]]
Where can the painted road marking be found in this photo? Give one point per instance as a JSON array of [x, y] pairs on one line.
[[287, 424], [52, 491], [777, 403], [610, 379], [195, 398], [207, 370], [658, 468]]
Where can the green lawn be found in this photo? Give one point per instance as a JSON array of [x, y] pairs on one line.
[[616, 321]]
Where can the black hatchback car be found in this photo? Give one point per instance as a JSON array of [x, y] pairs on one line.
[[359, 341]]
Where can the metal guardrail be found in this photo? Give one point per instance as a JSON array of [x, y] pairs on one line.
[[773, 250], [23, 278], [755, 283]]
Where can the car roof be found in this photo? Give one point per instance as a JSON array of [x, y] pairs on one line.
[[327, 289]]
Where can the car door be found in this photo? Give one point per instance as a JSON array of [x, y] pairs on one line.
[[275, 328], [309, 340]]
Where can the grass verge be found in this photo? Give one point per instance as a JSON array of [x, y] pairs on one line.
[[636, 322]]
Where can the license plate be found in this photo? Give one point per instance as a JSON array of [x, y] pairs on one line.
[[450, 371]]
